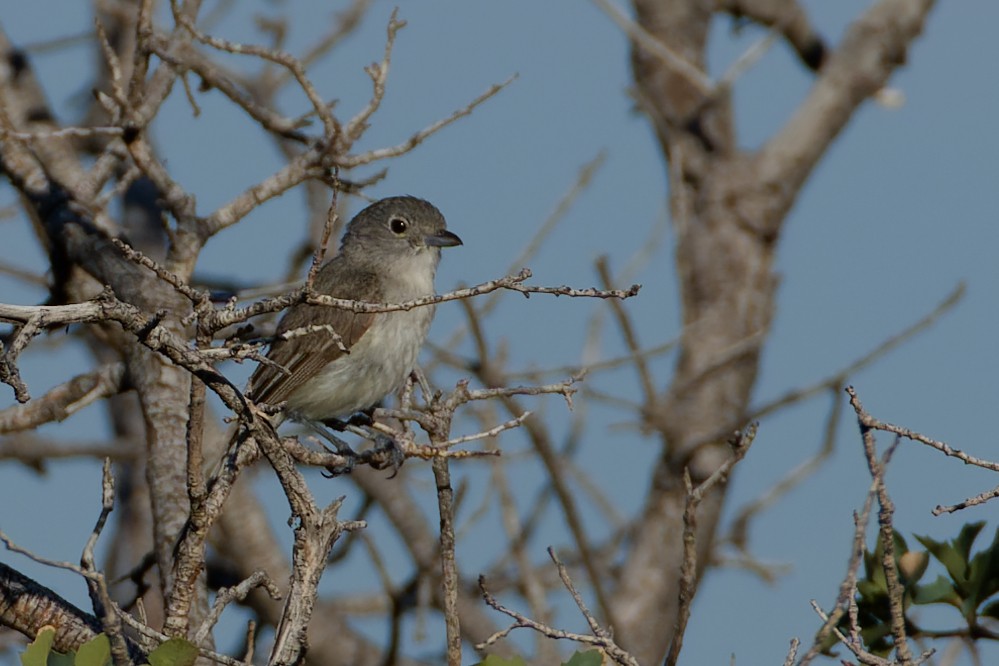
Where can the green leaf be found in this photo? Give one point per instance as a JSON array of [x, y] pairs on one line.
[[949, 556], [60, 659], [95, 652], [588, 658], [874, 638], [968, 607], [967, 537], [875, 572], [940, 591], [983, 580], [174, 652], [37, 652], [869, 591]]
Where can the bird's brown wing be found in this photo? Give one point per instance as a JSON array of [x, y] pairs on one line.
[[305, 355]]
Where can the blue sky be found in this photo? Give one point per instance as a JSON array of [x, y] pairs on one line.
[[902, 209]]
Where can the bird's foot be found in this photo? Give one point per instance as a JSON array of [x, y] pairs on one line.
[[333, 471], [343, 450], [387, 454]]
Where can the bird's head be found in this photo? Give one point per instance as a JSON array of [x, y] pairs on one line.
[[399, 225]]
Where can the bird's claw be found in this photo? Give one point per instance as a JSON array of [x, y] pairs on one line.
[[346, 468], [387, 454], [343, 450]]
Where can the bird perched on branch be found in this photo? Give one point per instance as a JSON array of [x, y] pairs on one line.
[[337, 362]]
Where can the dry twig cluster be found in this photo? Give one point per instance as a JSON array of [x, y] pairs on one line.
[[127, 289]]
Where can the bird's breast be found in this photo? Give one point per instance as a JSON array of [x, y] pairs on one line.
[[376, 366]]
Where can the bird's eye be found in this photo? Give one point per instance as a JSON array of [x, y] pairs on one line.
[[398, 225]]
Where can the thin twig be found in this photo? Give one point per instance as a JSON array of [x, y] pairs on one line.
[[100, 598], [227, 316], [582, 182], [378, 72], [740, 525], [449, 566], [352, 161], [688, 569], [227, 595], [194, 295], [630, 337], [522, 621], [324, 237], [838, 378], [981, 498], [330, 124], [640, 36], [563, 573]]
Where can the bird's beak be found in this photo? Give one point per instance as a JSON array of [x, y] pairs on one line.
[[443, 238]]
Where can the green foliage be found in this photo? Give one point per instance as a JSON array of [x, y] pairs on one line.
[[39, 652], [588, 658], [974, 579], [971, 580], [97, 652], [174, 652]]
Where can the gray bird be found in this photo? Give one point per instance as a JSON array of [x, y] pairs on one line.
[[389, 254]]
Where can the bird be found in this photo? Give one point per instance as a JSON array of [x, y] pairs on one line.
[[338, 362]]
